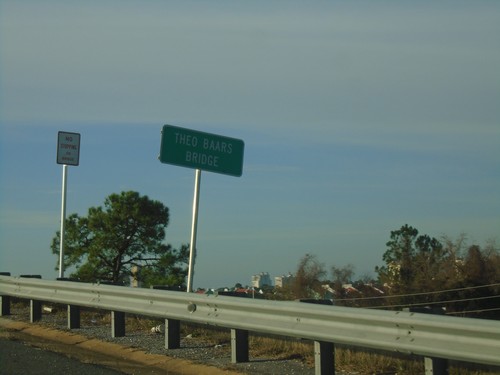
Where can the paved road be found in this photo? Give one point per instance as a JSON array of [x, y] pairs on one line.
[[18, 358]]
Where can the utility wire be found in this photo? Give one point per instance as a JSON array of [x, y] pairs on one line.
[[421, 293], [435, 303], [471, 311]]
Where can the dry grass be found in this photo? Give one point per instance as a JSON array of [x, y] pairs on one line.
[[345, 359], [371, 363], [281, 348]]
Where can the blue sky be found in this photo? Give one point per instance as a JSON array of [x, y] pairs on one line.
[[357, 117]]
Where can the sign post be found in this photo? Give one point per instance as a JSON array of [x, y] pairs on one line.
[[200, 151], [68, 153], [194, 230], [63, 221]]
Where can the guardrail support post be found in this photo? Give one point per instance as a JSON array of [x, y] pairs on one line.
[[172, 334], [324, 352], [35, 311], [436, 366], [4, 300], [117, 324], [35, 306], [324, 358], [433, 365], [239, 345], [73, 316]]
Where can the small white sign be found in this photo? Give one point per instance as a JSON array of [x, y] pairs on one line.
[[68, 148]]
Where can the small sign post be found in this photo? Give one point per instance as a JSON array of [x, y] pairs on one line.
[[68, 153], [200, 151]]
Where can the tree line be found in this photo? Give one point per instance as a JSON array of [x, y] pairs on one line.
[[128, 231], [418, 271]]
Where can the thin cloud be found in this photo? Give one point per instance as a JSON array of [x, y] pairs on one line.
[[29, 219]]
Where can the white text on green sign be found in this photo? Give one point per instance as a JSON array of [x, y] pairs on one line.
[[200, 150]]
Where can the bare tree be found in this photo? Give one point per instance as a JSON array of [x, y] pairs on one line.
[[308, 277]]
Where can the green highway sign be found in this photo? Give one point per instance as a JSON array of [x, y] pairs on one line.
[[199, 150]]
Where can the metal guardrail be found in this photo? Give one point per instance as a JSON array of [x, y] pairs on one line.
[[462, 339]]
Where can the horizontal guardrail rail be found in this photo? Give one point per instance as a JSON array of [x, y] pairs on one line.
[[462, 339]]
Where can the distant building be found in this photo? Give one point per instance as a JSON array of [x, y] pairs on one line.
[[349, 289], [263, 278], [283, 280]]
